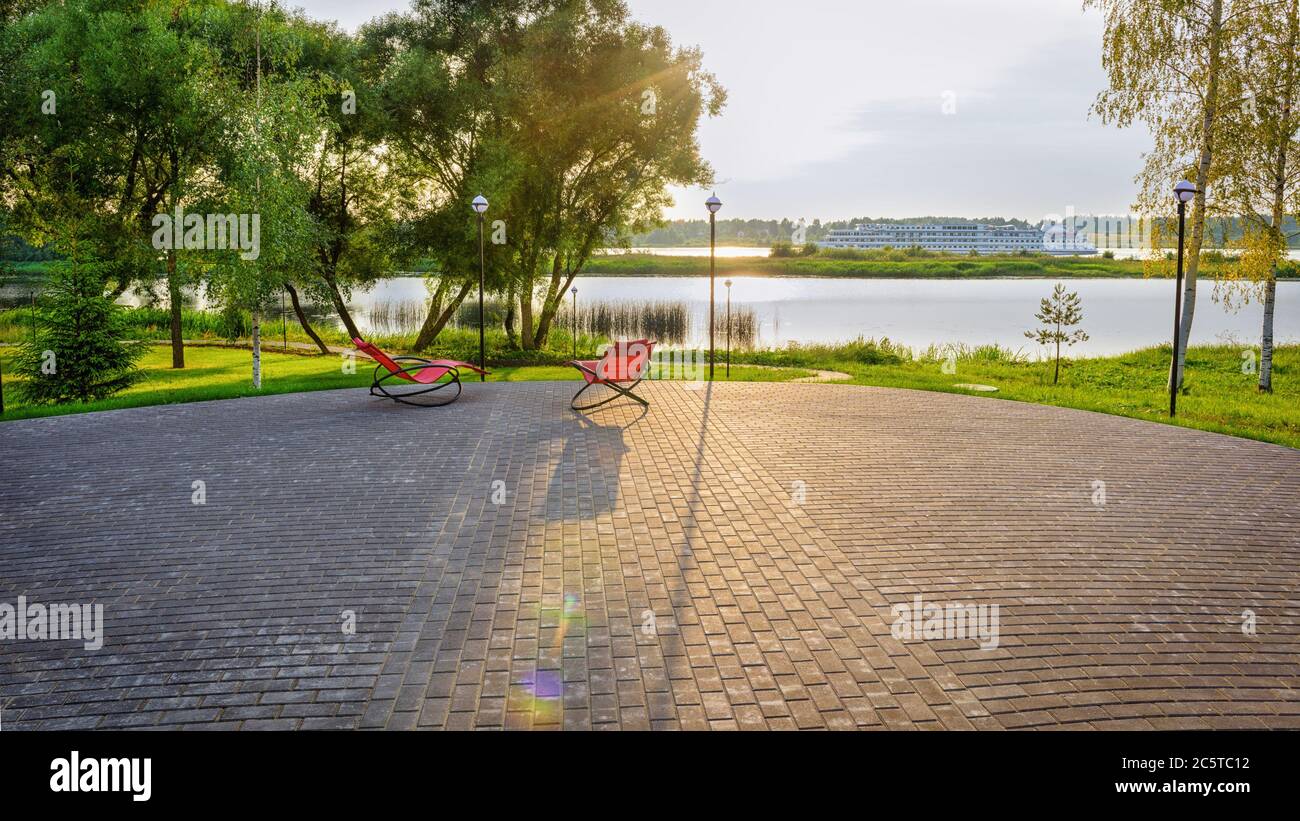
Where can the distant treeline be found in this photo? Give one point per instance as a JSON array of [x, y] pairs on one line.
[[1222, 232], [14, 249], [765, 232]]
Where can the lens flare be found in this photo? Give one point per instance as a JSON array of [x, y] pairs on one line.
[[540, 692]]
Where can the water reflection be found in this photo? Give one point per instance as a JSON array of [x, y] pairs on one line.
[[1119, 314]]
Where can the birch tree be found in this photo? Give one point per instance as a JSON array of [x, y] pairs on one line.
[[1261, 158], [269, 137], [1175, 65]]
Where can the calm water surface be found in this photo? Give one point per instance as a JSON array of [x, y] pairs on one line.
[[1118, 314]]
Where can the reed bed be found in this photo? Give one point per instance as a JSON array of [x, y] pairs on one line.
[[398, 316], [668, 322]]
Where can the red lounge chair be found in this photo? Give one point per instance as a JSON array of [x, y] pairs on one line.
[[427, 373], [622, 367]]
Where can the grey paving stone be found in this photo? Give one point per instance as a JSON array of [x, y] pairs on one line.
[[729, 559]]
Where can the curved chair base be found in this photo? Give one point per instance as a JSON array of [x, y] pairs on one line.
[[378, 389], [619, 390]]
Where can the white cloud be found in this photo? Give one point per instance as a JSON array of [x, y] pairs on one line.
[[835, 108]]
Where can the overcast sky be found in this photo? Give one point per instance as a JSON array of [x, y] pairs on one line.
[[893, 107]]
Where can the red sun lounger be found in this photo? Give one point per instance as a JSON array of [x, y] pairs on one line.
[[427, 375], [621, 368]]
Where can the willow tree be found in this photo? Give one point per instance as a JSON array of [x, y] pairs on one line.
[[1261, 159], [603, 117], [437, 102], [354, 198], [1175, 65]]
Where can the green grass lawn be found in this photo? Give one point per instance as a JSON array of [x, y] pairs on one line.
[[1217, 396], [226, 373]]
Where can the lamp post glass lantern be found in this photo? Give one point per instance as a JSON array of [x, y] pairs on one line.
[[480, 206], [1184, 191], [713, 204], [575, 321]]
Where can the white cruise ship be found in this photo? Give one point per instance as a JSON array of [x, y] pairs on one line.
[[960, 238]]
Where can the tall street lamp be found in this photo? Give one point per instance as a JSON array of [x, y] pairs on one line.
[[480, 205], [728, 284], [1184, 191], [575, 322], [713, 204]]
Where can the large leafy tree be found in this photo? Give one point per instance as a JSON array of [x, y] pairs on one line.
[[353, 197], [569, 116], [439, 101], [601, 118], [112, 104]]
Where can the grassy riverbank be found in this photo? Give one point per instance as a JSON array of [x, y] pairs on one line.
[[883, 264], [1218, 396]]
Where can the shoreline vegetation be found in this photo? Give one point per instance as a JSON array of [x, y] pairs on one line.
[[888, 264], [839, 263]]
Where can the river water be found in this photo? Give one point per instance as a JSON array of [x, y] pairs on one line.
[[1118, 314]]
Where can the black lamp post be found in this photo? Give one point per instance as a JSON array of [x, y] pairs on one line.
[[713, 204], [575, 321], [1184, 191], [480, 205], [728, 284]]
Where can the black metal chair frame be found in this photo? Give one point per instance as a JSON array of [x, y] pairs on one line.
[[619, 389], [378, 389]]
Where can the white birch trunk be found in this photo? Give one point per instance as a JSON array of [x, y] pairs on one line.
[[1193, 250], [1266, 339], [257, 348]]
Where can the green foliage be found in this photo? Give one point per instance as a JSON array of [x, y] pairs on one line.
[[781, 248], [1057, 314], [79, 353], [861, 351], [961, 353], [574, 121]]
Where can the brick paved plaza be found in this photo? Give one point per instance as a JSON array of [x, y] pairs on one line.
[[728, 559]]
